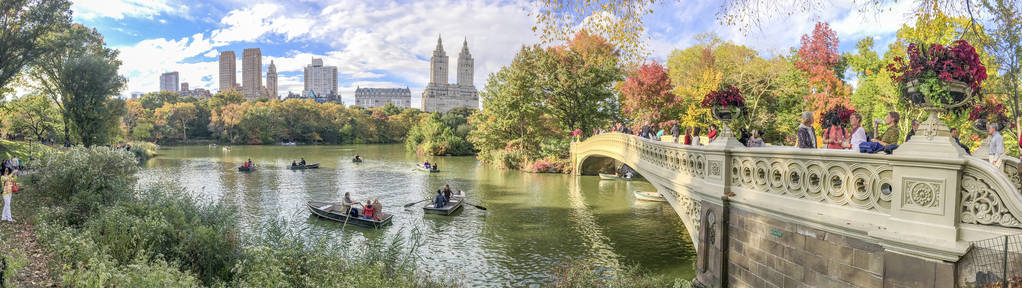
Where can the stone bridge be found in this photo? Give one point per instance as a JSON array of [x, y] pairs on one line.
[[787, 217]]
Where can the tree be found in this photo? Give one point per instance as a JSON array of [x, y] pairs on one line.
[[69, 51], [22, 24], [818, 57], [647, 97], [618, 21], [87, 83], [155, 100], [34, 115], [175, 117], [230, 96], [577, 82]]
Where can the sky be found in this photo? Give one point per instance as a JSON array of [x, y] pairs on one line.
[[387, 43]]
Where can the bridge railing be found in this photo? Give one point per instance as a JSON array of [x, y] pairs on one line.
[[918, 203]]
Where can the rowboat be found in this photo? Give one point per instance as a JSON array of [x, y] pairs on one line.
[[423, 169], [356, 160], [288, 144], [613, 177], [649, 196], [337, 212], [306, 166], [245, 169], [452, 206]]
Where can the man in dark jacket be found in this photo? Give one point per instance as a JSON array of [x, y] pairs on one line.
[[675, 132]]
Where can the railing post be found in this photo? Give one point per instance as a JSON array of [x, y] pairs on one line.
[[1004, 263], [925, 195]]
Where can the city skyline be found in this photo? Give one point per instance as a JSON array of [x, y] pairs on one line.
[[388, 43]]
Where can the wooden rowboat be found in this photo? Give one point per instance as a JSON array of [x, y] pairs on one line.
[[337, 212], [451, 207], [245, 169], [356, 160], [423, 169], [649, 196], [306, 166], [613, 177]]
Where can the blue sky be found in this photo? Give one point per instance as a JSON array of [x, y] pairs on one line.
[[387, 43]]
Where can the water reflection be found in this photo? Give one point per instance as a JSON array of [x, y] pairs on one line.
[[532, 221]]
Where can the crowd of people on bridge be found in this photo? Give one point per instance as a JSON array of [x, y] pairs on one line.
[[838, 133]]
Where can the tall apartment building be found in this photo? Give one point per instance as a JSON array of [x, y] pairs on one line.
[[184, 86], [321, 80], [251, 73], [442, 96], [168, 81], [228, 70], [376, 97], [271, 80]]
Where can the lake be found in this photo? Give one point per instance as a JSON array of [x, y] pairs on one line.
[[533, 221]]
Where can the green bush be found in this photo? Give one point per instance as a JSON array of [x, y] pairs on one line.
[[85, 263], [279, 257], [87, 179], [144, 150], [441, 134], [166, 222], [588, 274]]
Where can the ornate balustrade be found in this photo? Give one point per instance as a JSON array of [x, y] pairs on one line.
[[920, 205]]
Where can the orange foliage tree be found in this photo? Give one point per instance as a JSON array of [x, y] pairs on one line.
[[818, 57]]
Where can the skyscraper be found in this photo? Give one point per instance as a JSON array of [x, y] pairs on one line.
[[168, 81], [184, 86], [320, 80], [271, 80], [442, 96], [228, 70], [251, 73]]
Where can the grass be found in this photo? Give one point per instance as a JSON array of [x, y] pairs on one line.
[[10, 149]]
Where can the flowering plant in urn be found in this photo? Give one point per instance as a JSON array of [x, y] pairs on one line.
[[988, 111], [727, 102], [938, 76]]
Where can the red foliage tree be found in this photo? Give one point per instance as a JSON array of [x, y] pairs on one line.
[[818, 56], [647, 96]]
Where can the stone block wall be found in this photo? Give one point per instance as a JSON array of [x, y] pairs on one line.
[[767, 252]]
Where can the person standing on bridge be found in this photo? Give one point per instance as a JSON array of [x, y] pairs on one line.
[[755, 140], [688, 136], [675, 132], [713, 133], [858, 134], [696, 139], [996, 144], [806, 134], [834, 134]]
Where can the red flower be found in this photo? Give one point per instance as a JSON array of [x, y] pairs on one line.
[[726, 97]]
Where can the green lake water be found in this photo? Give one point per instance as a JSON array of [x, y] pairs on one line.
[[533, 221]]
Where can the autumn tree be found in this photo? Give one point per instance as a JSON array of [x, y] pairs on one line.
[[647, 97], [174, 117], [818, 57], [620, 22]]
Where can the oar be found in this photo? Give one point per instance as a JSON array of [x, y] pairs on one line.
[[416, 202], [474, 205], [347, 215]]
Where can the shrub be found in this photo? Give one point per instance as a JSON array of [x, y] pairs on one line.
[[588, 274], [166, 222], [144, 150], [87, 179]]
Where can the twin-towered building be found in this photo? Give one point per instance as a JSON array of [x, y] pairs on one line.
[[440, 96]]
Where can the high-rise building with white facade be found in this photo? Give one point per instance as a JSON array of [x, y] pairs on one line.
[[184, 86], [168, 81], [251, 73], [271, 81], [321, 81], [228, 71], [442, 96], [376, 97]]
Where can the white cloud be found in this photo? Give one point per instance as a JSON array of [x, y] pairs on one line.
[[119, 9]]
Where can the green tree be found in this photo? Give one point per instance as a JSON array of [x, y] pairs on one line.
[[155, 100], [34, 115], [87, 84], [64, 74], [513, 121], [577, 82], [22, 24], [619, 21]]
